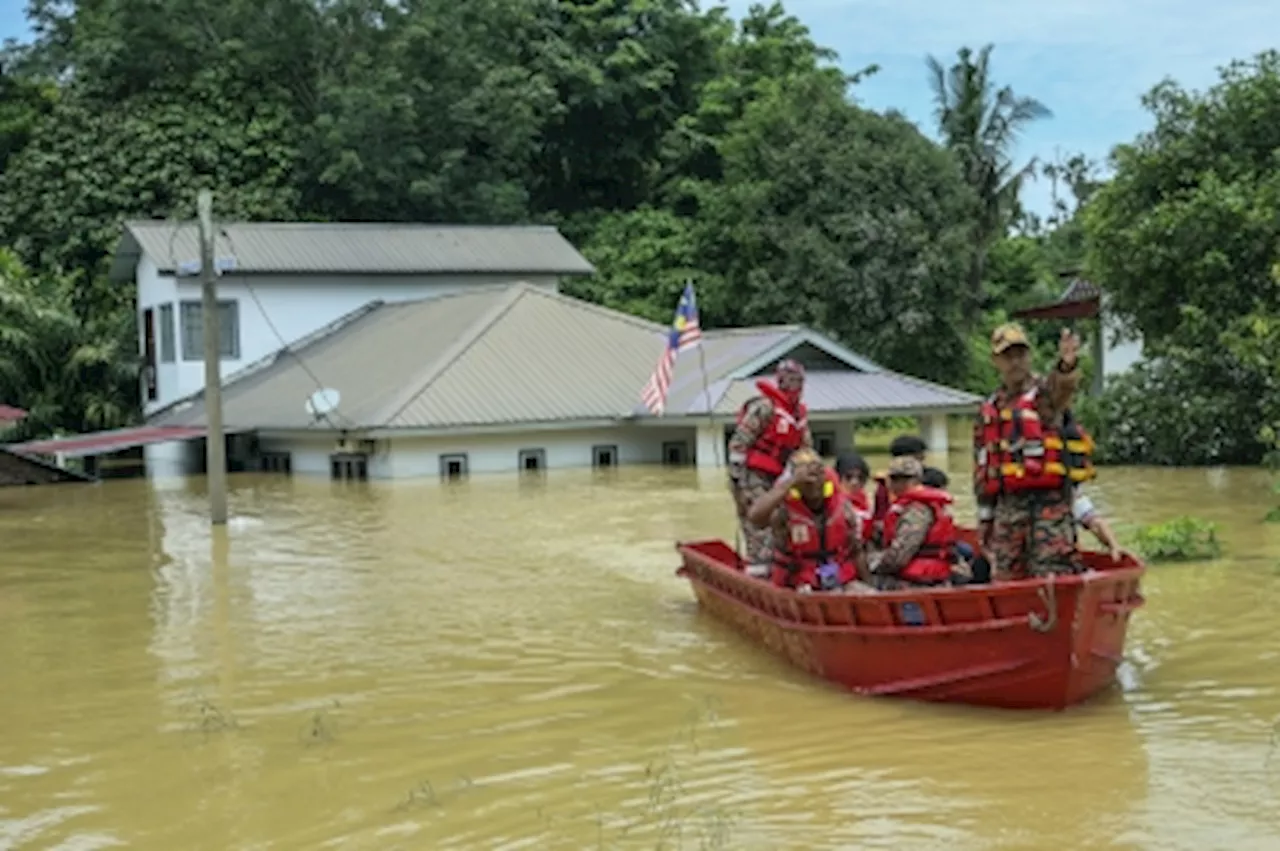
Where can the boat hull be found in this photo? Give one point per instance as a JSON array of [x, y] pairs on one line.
[[1029, 644]]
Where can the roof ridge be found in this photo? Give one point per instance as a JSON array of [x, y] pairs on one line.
[[508, 298], [145, 223], [750, 329], [593, 307]]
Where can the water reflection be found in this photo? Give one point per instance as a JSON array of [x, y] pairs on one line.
[[509, 662]]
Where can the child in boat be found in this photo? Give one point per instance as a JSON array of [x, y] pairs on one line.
[[853, 472]]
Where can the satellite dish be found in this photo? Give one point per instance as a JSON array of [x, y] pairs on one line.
[[323, 402]]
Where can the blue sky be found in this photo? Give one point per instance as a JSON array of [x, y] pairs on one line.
[[1087, 60]]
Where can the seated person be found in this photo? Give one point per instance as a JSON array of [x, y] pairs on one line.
[[816, 541], [934, 478], [903, 446], [854, 473], [919, 534]]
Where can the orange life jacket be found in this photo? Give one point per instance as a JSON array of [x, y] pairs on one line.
[[783, 434], [1019, 453], [814, 540], [932, 562]]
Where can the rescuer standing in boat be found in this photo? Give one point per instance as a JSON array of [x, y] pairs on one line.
[[770, 427], [1023, 478]]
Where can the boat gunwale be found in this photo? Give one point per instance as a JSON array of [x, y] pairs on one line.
[[1047, 593], [1004, 588]]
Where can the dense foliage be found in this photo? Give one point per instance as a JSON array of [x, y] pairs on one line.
[[1186, 237], [670, 143]]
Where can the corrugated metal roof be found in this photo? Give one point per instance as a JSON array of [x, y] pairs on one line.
[[515, 355], [356, 248], [103, 442], [849, 392], [371, 361]]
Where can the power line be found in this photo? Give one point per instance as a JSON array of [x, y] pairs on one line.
[[286, 346]]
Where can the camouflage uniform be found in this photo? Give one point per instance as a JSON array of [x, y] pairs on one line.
[[908, 536], [779, 531], [750, 485], [1032, 533]]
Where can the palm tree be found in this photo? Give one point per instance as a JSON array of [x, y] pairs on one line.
[[69, 374], [980, 124]]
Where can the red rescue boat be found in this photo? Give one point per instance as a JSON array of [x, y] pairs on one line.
[[1028, 644]]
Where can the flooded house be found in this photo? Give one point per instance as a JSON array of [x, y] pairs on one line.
[[409, 351]]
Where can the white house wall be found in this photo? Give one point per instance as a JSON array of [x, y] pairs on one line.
[[1120, 353], [420, 457], [296, 305]]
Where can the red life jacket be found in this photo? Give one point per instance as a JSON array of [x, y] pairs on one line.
[[783, 435], [814, 539], [932, 562], [1019, 453], [883, 500], [862, 507]]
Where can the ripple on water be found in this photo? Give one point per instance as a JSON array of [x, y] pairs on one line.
[[500, 665]]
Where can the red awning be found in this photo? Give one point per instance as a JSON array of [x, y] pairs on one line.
[[105, 442], [10, 414], [1082, 309]]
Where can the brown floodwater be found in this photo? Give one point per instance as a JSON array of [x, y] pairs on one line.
[[506, 664]]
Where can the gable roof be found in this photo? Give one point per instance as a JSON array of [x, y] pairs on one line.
[[504, 356], [354, 248]]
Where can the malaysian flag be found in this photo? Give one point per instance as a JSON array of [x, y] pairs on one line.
[[685, 334]]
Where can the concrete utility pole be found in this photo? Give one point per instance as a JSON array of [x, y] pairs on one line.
[[216, 442]]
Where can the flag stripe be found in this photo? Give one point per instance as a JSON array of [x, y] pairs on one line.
[[685, 333]]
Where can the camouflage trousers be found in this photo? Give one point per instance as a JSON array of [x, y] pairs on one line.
[[757, 541], [1033, 534]]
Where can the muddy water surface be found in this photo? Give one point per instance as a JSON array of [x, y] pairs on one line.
[[511, 664]]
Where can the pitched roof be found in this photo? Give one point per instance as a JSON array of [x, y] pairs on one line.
[[509, 356], [831, 391], [10, 414], [355, 248]]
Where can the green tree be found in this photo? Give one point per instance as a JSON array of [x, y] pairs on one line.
[[88, 168], [68, 374], [845, 220], [981, 124], [1189, 218]]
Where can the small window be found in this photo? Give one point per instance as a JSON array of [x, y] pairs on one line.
[[168, 349], [604, 456], [675, 453], [193, 330], [349, 467], [275, 462], [453, 467], [533, 460], [825, 443]]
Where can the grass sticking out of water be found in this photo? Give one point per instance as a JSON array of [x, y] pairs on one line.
[[667, 821], [320, 728], [1180, 539], [212, 719]]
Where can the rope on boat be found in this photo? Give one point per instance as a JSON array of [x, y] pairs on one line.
[[1049, 596]]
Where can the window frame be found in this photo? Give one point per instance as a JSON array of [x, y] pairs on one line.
[[461, 459], [538, 454], [596, 450], [192, 342]]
